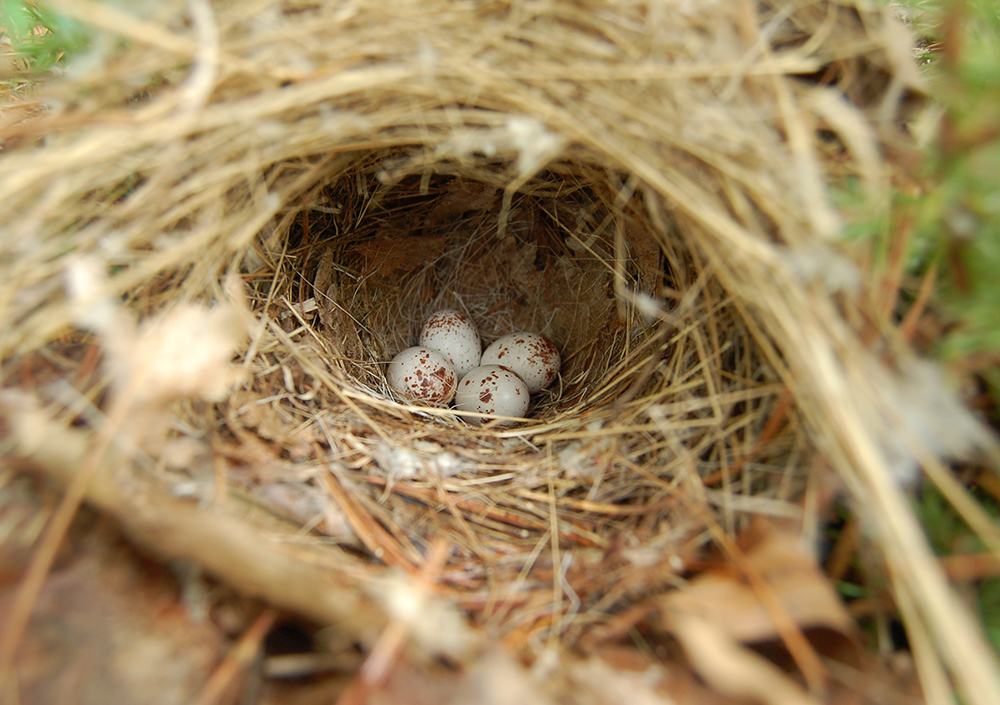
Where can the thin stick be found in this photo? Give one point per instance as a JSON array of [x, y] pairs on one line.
[[238, 658]]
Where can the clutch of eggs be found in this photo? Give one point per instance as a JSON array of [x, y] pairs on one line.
[[498, 381]]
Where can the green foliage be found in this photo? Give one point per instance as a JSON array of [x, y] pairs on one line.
[[965, 214], [39, 37], [989, 607], [949, 535], [946, 530], [851, 591], [957, 215]]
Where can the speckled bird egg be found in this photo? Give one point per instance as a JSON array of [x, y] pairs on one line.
[[531, 356], [454, 335], [422, 373], [492, 389]]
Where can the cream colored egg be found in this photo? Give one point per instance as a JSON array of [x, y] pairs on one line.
[[454, 335], [491, 389], [422, 373], [531, 356]]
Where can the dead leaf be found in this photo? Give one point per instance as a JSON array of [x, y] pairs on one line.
[[776, 598], [731, 668], [609, 685], [726, 600], [461, 197], [625, 666], [394, 259], [109, 628], [495, 679]]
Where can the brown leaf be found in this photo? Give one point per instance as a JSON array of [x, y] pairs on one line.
[[727, 600], [775, 597], [496, 679], [730, 668], [110, 628]]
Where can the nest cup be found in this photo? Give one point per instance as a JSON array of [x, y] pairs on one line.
[[556, 257], [644, 184]]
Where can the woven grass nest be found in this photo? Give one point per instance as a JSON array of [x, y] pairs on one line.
[[218, 234]]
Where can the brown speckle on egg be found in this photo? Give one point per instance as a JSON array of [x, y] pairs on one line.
[[423, 374], [492, 389], [454, 335], [533, 357]]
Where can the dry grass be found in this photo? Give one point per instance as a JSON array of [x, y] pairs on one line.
[[641, 183]]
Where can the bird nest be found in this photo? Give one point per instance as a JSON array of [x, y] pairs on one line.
[[300, 186]]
